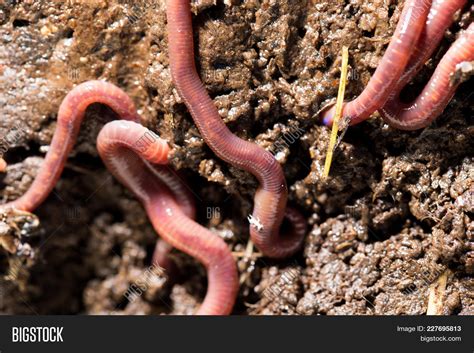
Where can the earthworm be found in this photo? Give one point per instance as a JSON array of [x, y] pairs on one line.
[[130, 162], [271, 196], [439, 90], [223, 283], [173, 181], [436, 94], [438, 21], [70, 115], [390, 68], [185, 200]]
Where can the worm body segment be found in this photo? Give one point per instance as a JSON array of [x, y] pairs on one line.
[[391, 67], [271, 196], [439, 90], [130, 164], [70, 116]]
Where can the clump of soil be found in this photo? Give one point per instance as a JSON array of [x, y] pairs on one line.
[[394, 216]]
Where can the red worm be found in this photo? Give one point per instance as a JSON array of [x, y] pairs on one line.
[[174, 182], [390, 68], [439, 19], [172, 197], [71, 113], [271, 196], [70, 116], [438, 91], [185, 200], [120, 145]]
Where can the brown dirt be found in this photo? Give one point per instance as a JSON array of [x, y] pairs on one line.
[[396, 213]]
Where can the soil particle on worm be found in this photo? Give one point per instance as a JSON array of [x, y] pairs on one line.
[[395, 214]]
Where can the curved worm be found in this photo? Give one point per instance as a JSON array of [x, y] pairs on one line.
[[271, 196], [174, 182], [438, 91], [439, 19], [185, 200], [128, 162], [390, 68], [70, 115]]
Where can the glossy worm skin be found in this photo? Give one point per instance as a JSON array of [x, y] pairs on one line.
[[438, 91], [439, 19], [71, 113], [271, 196], [130, 162], [167, 193], [390, 68], [185, 200], [70, 116]]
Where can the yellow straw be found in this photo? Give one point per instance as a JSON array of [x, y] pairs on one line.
[[337, 116]]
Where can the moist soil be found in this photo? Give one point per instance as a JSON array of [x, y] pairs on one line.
[[395, 216]]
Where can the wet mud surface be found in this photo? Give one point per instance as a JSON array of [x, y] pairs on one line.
[[395, 215]]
